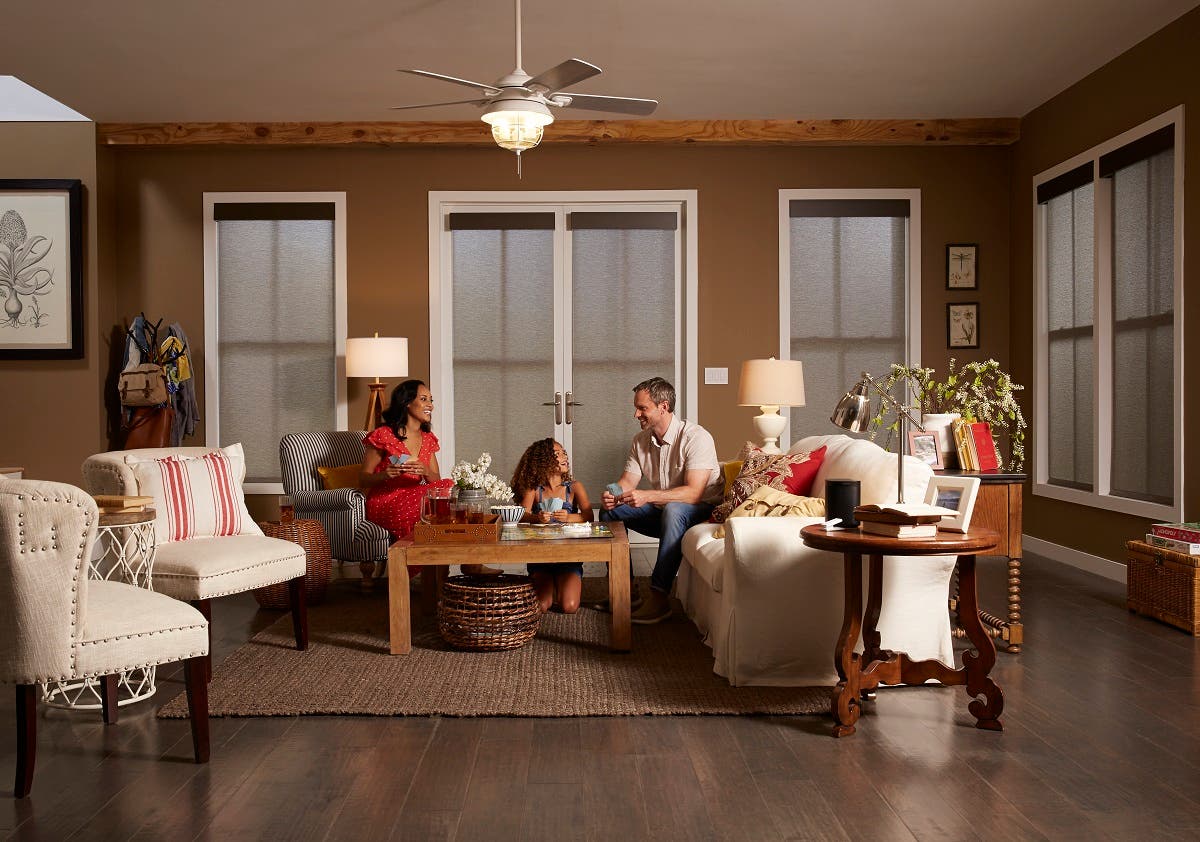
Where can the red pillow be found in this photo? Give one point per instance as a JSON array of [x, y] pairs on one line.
[[801, 475]]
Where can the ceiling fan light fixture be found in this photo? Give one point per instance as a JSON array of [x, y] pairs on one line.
[[517, 125]]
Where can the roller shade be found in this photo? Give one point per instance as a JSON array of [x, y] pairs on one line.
[[271, 211], [501, 222], [1065, 183], [628, 221], [1139, 150], [799, 208]]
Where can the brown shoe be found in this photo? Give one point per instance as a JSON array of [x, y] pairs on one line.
[[654, 610]]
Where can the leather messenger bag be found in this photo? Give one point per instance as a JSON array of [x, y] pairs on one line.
[[143, 385]]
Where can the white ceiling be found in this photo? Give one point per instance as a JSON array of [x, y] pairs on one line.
[[281, 60]]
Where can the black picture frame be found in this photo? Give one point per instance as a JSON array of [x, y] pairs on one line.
[[960, 312], [966, 256], [16, 195]]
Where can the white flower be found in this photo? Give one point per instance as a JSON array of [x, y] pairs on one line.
[[474, 475]]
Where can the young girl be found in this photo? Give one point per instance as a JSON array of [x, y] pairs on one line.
[[544, 473]]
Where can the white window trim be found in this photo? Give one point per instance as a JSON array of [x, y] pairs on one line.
[[912, 275], [441, 307], [1101, 497], [212, 367]]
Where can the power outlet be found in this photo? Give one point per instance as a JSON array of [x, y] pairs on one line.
[[716, 377]]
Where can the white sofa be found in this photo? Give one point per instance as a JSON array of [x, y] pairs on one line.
[[771, 608]]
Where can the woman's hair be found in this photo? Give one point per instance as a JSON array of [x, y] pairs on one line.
[[396, 415], [537, 463]]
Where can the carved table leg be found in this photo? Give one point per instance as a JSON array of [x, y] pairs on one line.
[[978, 664], [845, 704], [1015, 627]]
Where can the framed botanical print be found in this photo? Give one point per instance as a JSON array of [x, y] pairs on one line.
[[962, 325], [962, 266], [41, 269]]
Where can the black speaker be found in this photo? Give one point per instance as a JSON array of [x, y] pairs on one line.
[[841, 497]]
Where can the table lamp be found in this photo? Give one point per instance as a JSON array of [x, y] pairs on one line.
[[853, 413], [376, 356], [770, 384]]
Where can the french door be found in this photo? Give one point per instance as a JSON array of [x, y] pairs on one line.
[[546, 310]]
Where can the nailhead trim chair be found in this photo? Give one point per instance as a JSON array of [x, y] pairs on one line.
[[56, 624]]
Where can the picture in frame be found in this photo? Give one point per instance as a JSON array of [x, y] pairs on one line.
[[962, 325], [924, 446], [41, 269], [962, 266], [956, 493]]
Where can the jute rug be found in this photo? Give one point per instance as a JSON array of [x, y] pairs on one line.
[[566, 670]]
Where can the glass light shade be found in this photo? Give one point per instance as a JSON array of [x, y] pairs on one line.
[[377, 356], [517, 130], [771, 383]]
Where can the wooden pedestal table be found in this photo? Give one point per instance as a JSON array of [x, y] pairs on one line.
[[860, 674], [437, 558]]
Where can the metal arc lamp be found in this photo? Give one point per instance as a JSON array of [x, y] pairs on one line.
[[853, 413], [376, 356], [770, 384]]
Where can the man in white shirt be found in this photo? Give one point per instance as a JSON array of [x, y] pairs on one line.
[[678, 459]]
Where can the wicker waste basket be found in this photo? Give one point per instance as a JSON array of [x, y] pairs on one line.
[[488, 613], [310, 535]]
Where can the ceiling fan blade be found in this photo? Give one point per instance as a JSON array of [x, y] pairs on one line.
[[436, 104], [487, 89], [570, 72], [615, 104]]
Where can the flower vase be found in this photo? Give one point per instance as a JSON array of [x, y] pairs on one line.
[[476, 502], [940, 425]]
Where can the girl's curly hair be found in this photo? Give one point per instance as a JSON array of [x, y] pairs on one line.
[[537, 463]]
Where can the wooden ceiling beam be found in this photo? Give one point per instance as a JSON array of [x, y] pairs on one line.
[[981, 131]]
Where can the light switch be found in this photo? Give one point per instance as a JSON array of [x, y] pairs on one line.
[[716, 376]]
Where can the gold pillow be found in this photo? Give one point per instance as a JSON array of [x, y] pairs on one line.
[[771, 502], [731, 468], [343, 476]]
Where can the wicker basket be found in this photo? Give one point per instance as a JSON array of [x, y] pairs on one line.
[[310, 535], [486, 614], [1164, 585]]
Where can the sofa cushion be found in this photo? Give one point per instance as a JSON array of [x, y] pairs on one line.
[[705, 553], [203, 568], [874, 467], [126, 627], [792, 472], [769, 502]]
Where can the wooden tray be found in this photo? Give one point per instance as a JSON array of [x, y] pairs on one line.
[[487, 532]]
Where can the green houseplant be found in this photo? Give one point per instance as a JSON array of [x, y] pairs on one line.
[[979, 391]]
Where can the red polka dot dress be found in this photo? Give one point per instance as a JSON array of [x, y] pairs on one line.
[[396, 504]]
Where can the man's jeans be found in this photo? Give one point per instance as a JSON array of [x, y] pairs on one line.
[[667, 525]]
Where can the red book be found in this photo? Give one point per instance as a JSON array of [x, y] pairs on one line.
[[989, 460], [1189, 532]]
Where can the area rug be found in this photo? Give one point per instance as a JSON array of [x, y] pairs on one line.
[[566, 670]]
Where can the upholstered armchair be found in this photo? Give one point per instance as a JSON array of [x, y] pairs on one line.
[[56, 624], [200, 569], [342, 511]]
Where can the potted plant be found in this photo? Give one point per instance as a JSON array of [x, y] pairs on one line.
[[979, 391], [475, 486]]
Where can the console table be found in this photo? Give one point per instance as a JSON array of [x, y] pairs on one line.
[[998, 507]]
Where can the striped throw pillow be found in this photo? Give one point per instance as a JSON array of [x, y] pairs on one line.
[[196, 496]]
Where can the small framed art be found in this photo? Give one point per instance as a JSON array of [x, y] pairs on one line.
[[924, 446], [956, 493], [962, 325], [962, 266]]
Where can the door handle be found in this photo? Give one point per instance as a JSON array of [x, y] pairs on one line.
[[557, 404], [570, 405]]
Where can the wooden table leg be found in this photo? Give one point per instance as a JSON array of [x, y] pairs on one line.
[[978, 664], [845, 703], [399, 619], [1016, 629], [621, 634]]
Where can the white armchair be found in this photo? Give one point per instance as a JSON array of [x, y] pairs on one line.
[[58, 625]]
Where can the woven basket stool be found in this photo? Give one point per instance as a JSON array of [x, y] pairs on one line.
[[310, 535], [488, 613]]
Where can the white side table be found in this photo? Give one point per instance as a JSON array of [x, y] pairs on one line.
[[126, 542]]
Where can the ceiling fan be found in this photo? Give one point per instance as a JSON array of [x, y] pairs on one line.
[[517, 106]]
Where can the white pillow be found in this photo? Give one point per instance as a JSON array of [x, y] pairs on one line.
[[196, 496]]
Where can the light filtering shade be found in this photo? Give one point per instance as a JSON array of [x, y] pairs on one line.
[[771, 383], [377, 356]]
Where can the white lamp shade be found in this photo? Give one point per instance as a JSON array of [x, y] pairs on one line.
[[771, 383], [377, 356]]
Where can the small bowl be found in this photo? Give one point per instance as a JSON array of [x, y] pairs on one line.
[[509, 515]]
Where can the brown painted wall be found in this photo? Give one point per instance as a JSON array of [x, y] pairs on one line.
[[52, 418], [965, 193], [1149, 79]]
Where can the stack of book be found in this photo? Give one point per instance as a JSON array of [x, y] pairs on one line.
[[115, 504], [1178, 537], [975, 445], [902, 520]]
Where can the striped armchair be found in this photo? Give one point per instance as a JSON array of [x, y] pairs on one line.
[[341, 511]]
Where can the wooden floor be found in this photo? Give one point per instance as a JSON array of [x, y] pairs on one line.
[[1101, 741]]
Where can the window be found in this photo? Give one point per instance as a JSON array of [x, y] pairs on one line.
[[1109, 369], [848, 292], [275, 324]]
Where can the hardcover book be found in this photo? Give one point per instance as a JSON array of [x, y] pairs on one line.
[[900, 530], [1189, 532]]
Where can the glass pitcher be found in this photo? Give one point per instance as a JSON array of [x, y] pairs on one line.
[[436, 505]]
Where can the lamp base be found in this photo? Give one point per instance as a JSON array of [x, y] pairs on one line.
[[374, 407], [770, 426]]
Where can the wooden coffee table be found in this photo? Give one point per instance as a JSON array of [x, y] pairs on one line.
[[438, 558], [876, 665]]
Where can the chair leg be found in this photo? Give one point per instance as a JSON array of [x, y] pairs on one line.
[[299, 602], [367, 569], [108, 698], [26, 738], [204, 606], [195, 678]]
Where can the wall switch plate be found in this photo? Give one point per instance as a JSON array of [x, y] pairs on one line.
[[716, 376]]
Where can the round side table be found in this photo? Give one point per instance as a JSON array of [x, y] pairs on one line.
[[125, 543]]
